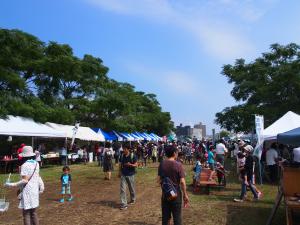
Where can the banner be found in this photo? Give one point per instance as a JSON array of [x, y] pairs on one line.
[[259, 127], [75, 129]]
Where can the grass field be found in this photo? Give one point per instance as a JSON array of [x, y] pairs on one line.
[[96, 201]]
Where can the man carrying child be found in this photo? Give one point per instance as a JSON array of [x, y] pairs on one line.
[[246, 175]]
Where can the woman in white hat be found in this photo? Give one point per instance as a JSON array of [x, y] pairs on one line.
[[30, 185]]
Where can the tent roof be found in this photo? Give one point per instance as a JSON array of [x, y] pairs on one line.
[[287, 122], [291, 137], [119, 137], [109, 136], [136, 137], [127, 136], [20, 126], [83, 133]]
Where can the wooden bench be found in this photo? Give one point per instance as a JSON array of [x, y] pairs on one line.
[[204, 180], [291, 186]]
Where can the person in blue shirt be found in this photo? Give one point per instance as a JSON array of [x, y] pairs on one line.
[[66, 180], [211, 158], [211, 161]]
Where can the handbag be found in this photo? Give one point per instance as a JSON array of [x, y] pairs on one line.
[[169, 189], [19, 192]]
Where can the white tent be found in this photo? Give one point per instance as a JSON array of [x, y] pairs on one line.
[[20, 126], [83, 133], [287, 122]]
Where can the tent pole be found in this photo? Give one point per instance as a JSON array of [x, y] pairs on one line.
[[66, 145], [259, 168]]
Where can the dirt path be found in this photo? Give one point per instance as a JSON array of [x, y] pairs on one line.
[[96, 202]]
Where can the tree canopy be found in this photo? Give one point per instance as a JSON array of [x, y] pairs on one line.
[[270, 86], [47, 82]]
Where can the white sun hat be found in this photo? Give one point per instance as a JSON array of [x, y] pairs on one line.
[[27, 151]]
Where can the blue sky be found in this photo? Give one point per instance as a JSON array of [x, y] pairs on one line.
[[173, 48]]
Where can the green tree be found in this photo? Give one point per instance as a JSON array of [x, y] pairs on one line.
[[270, 85], [47, 82], [224, 133]]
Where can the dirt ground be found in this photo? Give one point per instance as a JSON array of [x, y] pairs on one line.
[[97, 202]]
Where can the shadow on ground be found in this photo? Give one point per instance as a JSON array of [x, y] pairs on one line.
[[246, 215], [106, 203]]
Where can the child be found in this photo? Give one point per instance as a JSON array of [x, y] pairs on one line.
[[221, 174], [240, 159], [66, 184], [84, 155], [197, 169], [38, 157], [211, 162]]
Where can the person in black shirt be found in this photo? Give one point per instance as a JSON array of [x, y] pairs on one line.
[[128, 163]]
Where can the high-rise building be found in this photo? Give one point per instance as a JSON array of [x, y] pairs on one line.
[[198, 131], [202, 127]]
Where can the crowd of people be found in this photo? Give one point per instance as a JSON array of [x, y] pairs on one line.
[[126, 157]]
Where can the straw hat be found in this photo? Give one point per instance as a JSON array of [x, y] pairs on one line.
[[27, 152]]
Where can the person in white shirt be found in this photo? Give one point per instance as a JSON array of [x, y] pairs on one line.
[[220, 152], [271, 157], [296, 153]]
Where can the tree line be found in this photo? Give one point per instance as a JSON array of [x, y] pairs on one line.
[[47, 82], [269, 86]]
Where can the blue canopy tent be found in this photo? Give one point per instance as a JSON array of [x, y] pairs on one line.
[[127, 136], [149, 138], [140, 136], [137, 137], [291, 137], [108, 136], [119, 137], [156, 137]]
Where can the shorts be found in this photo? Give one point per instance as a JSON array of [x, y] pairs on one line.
[[66, 189], [211, 166], [197, 176]]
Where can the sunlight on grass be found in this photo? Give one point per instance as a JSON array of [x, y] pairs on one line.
[[218, 207]]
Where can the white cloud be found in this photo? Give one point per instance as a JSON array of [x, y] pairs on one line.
[[153, 9], [217, 37], [173, 81], [248, 10]]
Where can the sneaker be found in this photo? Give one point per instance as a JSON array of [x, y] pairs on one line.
[[132, 202], [62, 200], [123, 207], [259, 195], [238, 200], [70, 199]]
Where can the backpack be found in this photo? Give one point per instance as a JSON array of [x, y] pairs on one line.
[[108, 155]]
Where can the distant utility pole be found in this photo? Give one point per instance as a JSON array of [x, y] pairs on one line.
[[213, 136]]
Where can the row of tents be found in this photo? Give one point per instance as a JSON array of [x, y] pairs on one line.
[[20, 126]]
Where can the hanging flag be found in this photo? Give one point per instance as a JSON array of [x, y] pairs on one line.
[[75, 129], [259, 127]]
